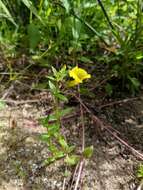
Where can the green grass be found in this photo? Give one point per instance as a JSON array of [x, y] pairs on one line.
[[68, 30]]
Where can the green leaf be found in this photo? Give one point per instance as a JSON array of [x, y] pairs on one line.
[[140, 171], [70, 149], [140, 174], [33, 35], [65, 111], [109, 89], [52, 87], [6, 13], [88, 151], [139, 57], [44, 137], [53, 129], [72, 160], [51, 78], [85, 59], [67, 173], [61, 97], [66, 5], [61, 74], [2, 104], [76, 29], [30, 6], [59, 154], [135, 82], [53, 149], [44, 121], [63, 143], [87, 5], [49, 160], [52, 117], [75, 33], [39, 86], [54, 71]]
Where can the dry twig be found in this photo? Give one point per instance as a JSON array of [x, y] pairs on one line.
[[108, 128], [119, 102], [79, 167]]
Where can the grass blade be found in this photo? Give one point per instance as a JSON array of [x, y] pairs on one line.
[[6, 13]]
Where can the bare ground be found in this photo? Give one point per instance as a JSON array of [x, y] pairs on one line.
[[112, 166]]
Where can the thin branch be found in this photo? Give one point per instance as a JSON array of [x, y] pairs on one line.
[[82, 121], [112, 131], [74, 176], [81, 164], [21, 102], [118, 102], [79, 174], [64, 181]]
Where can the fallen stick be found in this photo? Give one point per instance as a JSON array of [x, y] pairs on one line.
[[81, 164], [110, 129], [20, 102], [79, 174], [118, 102]]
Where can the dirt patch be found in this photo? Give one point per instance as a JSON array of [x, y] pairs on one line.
[[112, 166]]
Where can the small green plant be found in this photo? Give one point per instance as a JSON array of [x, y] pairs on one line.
[[57, 144], [61, 30]]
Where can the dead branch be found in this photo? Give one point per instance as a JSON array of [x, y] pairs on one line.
[[110, 129], [119, 102]]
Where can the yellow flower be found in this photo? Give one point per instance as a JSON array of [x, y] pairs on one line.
[[78, 75]]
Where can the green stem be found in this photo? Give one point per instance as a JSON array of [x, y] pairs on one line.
[[57, 110], [105, 14]]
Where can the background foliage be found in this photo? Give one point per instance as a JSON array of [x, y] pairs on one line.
[[107, 33]]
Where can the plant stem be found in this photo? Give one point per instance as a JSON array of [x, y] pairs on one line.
[[105, 13], [82, 121]]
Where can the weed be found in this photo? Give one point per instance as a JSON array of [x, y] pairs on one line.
[[64, 30], [57, 143]]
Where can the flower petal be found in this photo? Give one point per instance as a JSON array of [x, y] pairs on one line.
[[78, 74], [72, 83]]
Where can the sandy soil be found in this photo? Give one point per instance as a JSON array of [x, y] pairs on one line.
[[112, 166]]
